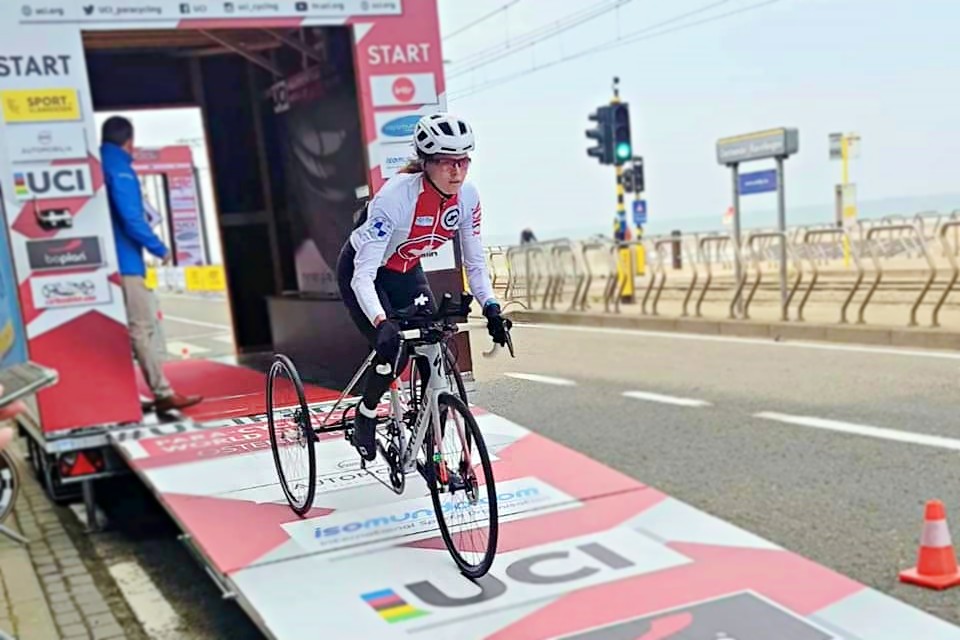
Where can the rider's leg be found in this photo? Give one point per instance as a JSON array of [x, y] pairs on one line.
[[372, 387]]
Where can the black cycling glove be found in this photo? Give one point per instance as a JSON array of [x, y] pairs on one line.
[[388, 342], [497, 325]]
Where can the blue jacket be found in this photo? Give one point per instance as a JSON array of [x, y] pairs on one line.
[[131, 231]]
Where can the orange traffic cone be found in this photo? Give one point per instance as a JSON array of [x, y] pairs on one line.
[[936, 563]]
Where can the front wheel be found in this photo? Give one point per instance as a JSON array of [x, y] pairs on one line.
[[462, 488], [291, 435]]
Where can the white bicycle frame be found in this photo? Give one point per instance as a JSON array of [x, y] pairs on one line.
[[430, 409], [430, 403]]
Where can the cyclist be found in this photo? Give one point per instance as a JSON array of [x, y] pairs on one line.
[[415, 213]]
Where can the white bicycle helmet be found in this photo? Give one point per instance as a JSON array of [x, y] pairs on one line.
[[443, 133]]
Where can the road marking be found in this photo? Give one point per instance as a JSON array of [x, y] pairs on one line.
[[176, 347], [532, 377], [224, 338], [197, 323], [155, 614], [656, 397], [863, 430], [668, 335]]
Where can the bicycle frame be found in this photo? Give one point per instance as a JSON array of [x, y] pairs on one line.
[[429, 412]]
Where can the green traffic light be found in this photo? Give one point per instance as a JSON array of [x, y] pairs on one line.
[[623, 150]]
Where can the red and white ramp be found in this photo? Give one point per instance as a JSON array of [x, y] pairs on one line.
[[585, 552]]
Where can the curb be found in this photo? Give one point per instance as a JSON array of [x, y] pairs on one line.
[[843, 333]]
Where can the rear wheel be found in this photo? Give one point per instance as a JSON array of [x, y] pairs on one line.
[[462, 488], [291, 435]]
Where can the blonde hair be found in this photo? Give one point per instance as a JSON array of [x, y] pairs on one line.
[[415, 165]]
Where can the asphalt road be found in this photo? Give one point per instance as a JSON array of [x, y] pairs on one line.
[[851, 501]]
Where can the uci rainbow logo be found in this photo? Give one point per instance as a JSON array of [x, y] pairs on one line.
[[391, 607]]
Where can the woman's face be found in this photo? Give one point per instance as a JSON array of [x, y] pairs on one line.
[[448, 172]]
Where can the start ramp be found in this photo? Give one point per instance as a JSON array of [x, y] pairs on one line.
[[585, 552]]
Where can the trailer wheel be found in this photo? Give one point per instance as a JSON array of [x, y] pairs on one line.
[[36, 458], [54, 488]]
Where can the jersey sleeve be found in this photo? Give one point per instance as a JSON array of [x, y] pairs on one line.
[[370, 241], [474, 259]]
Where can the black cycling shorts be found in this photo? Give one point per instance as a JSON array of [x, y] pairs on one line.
[[396, 290]]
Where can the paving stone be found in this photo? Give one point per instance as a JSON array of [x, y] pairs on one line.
[[64, 606], [73, 629], [93, 608], [75, 571], [75, 581], [64, 619], [108, 632], [101, 620]]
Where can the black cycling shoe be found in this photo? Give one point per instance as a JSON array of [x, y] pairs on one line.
[[365, 436]]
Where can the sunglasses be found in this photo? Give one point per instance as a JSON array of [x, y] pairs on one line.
[[452, 163]]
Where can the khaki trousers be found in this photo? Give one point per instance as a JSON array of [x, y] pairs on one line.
[[144, 333]]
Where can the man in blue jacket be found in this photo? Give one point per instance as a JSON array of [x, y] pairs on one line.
[[133, 234]]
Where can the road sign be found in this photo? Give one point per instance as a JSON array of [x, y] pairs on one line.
[[758, 146], [639, 212], [758, 182]]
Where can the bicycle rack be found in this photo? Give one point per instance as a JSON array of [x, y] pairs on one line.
[[876, 262], [816, 272], [951, 253], [720, 241]]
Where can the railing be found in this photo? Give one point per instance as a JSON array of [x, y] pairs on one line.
[[825, 276]]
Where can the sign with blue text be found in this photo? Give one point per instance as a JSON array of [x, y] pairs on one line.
[[758, 182]]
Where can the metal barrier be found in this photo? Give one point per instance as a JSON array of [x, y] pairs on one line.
[[785, 301], [816, 272], [719, 240], [876, 263], [951, 253], [562, 275]]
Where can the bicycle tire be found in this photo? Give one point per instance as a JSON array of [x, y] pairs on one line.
[[13, 483], [448, 401], [280, 363]]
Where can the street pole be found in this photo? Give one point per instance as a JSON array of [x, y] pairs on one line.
[[843, 191], [736, 231], [782, 226]]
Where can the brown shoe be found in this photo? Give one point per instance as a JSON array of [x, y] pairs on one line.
[[176, 401]]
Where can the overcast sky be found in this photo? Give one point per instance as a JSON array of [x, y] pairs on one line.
[[886, 69]]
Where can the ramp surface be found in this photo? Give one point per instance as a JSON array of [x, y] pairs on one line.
[[585, 552]]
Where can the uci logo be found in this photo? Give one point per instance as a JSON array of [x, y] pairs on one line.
[[544, 570], [55, 182]]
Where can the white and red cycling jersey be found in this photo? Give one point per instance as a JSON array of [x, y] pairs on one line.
[[407, 219]]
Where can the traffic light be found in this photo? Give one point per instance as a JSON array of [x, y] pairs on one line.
[[603, 134], [629, 184], [622, 148], [638, 182]]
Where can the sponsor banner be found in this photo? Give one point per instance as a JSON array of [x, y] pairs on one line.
[[54, 181], [79, 290], [394, 157], [414, 518], [185, 214], [518, 579], [45, 142], [64, 253], [40, 105], [125, 12], [396, 127], [401, 90]]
